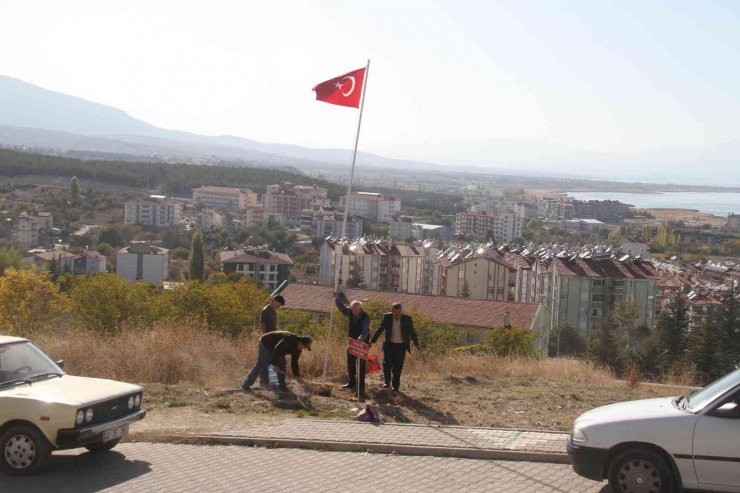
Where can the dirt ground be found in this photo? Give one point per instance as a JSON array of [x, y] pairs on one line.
[[524, 403]]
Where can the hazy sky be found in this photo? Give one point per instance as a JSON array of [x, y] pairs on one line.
[[602, 76]]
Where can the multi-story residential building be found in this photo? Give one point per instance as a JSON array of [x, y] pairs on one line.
[[373, 206], [209, 220], [231, 199], [584, 291], [62, 261], [588, 226], [290, 199], [532, 275], [635, 246], [270, 268], [378, 264], [610, 211], [504, 226], [29, 229], [421, 231], [733, 221], [400, 228], [142, 261], [154, 211], [331, 225], [476, 273]]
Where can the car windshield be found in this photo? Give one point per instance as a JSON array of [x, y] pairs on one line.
[[22, 361], [696, 401]]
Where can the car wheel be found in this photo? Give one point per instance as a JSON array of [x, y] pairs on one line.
[[640, 471], [102, 447], [24, 449]]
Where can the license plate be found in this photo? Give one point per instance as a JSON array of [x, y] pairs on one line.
[[115, 433]]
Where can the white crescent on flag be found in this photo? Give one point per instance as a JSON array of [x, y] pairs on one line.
[[346, 94]]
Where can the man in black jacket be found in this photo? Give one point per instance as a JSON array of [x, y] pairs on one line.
[[399, 332], [272, 349], [358, 328]]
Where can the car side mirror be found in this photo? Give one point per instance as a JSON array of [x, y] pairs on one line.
[[60, 364], [728, 410]]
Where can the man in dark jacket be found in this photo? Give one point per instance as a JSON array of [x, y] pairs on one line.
[[268, 323], [358, 328], [399, 332], [272, 349]]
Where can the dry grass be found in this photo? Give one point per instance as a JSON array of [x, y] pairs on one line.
[[188, 372]]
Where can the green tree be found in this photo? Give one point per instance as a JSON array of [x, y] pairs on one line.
[[727, 323], [197, 256], [74, 188], [703, 346], [605, 346], [9, 258], [672, 331], [566, 340]]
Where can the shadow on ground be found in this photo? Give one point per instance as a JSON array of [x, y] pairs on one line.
[[78, 474], [392, 404]]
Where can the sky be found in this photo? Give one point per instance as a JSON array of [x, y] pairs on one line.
[[446, 77]]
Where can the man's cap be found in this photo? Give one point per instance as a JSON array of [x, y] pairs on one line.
[[306, 341], [279, 298]]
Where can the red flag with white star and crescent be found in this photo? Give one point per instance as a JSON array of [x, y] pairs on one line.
[[344, 90]]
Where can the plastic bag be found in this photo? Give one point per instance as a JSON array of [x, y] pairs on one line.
[[369, 414], [372, 364]]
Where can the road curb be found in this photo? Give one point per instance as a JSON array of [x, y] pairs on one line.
[[380, 448]]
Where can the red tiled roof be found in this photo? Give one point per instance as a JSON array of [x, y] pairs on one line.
[[460, 312], [604, 268]]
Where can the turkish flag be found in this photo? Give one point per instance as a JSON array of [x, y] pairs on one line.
[[344, 90]]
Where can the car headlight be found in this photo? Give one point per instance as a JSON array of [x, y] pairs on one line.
[[137, 401], [131, 402], [88, 415], [80, 417], [579, 435]]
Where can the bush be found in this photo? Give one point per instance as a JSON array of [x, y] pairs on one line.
[[511, 342], [566, 341]]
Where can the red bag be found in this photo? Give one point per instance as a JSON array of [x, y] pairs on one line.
[[372, 364]]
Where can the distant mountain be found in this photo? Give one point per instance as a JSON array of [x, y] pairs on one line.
[[43, 119]]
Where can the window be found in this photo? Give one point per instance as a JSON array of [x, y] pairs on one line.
[[598, 283], [597, 297], [596, 312]]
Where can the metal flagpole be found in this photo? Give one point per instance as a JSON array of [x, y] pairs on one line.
[[346, 213]]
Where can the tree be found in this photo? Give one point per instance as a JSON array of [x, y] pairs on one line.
[[566, 340], [197, 256], [672, 331], [727, 325], [465, 293], [9, 257], [605, 347], [74, 188], [29, 301], [702, 351]]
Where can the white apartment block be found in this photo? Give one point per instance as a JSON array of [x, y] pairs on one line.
[[142, 261], [232, 199], [505, 226], [400, 228], [153, 211], [27, 228], [374, 206], [479, 274], [209, 221]]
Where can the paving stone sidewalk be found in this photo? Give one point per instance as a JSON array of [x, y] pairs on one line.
[[484, 443]]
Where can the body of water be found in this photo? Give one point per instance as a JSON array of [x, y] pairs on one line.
[[717, 203]]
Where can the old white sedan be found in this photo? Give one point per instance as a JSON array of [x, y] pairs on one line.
[[664, 445], [43, 409]]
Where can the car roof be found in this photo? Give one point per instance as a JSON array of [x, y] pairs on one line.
[[9, 339]]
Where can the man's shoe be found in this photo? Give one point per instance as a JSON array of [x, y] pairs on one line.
[[283, 388], [247, 390], [395, 389], [349, 386], [386, 386]]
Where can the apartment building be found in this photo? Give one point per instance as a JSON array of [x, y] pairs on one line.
[[29, 229], [290, 199], [400, 228], [378, 264], [209, 221], [475, 273], [155, 211], [142, 261], [504, 226], [584, 291], [270, 268], [231, 199], [609, 211], [733, 221], [373, 206], [62, 261]]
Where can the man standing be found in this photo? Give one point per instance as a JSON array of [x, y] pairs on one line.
[[358, 328], [268, 323], [272, 349], [399, 332]]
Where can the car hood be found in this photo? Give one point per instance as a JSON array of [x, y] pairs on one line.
[[631, 411], [74, 391]]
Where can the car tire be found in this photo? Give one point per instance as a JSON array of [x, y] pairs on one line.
[[639, 470], [24, 450], [98, 448]]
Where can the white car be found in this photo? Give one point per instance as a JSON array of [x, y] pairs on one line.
[[43, 409], [663, 445]]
